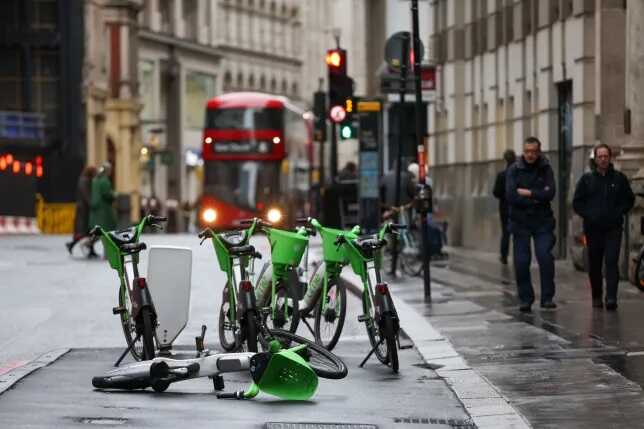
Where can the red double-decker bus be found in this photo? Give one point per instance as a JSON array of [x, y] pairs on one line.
[[256, 152]]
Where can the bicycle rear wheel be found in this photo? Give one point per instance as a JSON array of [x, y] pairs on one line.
[[324, 363], [330, 321], [374, 334], [389, 333], [129, 326], [148, 333]]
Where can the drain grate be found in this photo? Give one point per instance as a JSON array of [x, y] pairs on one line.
[[454, 423], [295, 425], [103, 421]]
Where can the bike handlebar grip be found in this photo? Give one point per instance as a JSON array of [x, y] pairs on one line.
[[94, 231], [158, 218], [257, 255], [234, 395], [203, 234], [245, 222], [302, 220], [398, 226]]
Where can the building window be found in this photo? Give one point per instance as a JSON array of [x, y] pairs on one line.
[[146, 88], [45, 84], [251, 82], [11, 80], [284, 87], [228, 82], [44, 15], [273, 85], [200, 87], [295, 90], [165, 14], [240, 81], [191, 24]]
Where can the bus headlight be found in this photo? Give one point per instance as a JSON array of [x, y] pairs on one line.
[[274, 215], [209, 215]]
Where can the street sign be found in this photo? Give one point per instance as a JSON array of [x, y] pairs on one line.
[[395, 46], [369, 106], [337, 114], [390, 81], [369, 169]]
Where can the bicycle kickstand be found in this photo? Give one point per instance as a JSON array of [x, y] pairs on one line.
[[382, 340], [127, 350]]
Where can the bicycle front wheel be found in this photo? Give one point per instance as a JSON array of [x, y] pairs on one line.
[[285, 315], [330, 313], [324, 363], [227, 327]]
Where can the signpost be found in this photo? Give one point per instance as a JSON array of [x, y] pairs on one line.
[[370, 140]]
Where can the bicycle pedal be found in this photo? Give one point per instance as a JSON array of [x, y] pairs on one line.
[[118, 310], [363, 318]]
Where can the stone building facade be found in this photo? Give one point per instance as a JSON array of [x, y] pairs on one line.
[[509, 69]]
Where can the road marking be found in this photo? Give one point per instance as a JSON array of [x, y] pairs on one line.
[[8, 379]]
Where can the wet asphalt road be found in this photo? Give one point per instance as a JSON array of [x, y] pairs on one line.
[[575, 367], [51, 301]]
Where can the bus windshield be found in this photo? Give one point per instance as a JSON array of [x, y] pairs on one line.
[[244, 119], [245, 184]]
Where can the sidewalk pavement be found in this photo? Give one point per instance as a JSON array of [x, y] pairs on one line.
[[574, 367]]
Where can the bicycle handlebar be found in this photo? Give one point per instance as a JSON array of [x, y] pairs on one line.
[[204, 234], [260, 222], [158, 218], [303, 219]]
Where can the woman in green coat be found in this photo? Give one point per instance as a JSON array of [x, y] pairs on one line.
[[101, 210]]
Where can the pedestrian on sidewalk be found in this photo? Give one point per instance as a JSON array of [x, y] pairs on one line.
[[499, 192], [83, 199], [102, 211], [602, 197], [529, 189]]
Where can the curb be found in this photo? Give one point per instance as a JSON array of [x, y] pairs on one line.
[[8, 379], [487, 407]]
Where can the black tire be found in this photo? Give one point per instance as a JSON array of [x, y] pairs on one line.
[[129, 326], [121, 383], [373, 331], [287, 313], [639, 272], [324, 363], [148, 333], [328, 326], [251, 331], [227, 326], [389, 333]]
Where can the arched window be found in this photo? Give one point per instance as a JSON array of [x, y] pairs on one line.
[[295, 90], [251, 82], [262, 83], [273, 85], [240, 81], [284, 87], [228, 81]]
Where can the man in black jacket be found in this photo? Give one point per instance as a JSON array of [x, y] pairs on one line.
[[602, 198], [499, 192], [529, 188]]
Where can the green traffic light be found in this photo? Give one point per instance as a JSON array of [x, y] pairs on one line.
[[346, 132]]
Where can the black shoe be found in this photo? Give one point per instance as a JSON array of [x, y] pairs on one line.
[[525, 308], [597, 303], [548, 305], [611, 305], [69, 245], [504, 260]]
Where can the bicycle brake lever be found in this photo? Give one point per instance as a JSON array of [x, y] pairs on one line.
[[202, 240]]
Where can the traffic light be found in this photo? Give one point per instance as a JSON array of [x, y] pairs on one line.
[[347, 130], [340, 85]]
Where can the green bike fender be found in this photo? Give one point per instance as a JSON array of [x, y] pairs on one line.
[[288, 376]]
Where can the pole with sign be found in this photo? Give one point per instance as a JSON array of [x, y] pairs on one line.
[[369, 168]]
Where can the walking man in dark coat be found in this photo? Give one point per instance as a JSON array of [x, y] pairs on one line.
[[529, 189], [83, 201], [499, 192], [602, 197]]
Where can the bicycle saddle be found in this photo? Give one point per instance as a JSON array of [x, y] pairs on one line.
[[369, 242], [123, 236]]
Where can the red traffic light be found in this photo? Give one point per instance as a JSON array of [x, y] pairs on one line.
[[336, 60]]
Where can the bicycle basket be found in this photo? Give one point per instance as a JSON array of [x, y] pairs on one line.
[[112, 253], [288, 376], [287, 247], [331, 252]]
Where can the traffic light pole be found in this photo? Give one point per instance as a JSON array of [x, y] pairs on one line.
[[334, 152], [424, 195], [401, 131]]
